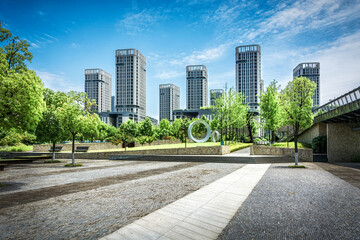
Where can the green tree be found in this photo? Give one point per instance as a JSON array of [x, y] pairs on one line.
[[21, 91], [296, 105], [164, 129], [50, 129], [21, 101], [270, 108], [73, 116], [15, 51], [180, 127], [230, 112], [146, 128]]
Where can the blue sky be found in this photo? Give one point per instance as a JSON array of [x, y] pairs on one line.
[[68, 37]]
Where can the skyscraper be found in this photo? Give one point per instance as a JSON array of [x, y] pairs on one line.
[[214, 94], [113, 103], [131, 83], [196, 86], [98, 87], [310, 70], [248, 73], [169, 100]]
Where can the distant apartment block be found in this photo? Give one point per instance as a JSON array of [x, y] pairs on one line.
[[113, 103], [310, 70], [196, 86], [131, 84], [215, 94], [98, 88], [248, 73], [169, 100]]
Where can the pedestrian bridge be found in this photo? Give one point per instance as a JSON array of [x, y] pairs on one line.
[[339, 120]]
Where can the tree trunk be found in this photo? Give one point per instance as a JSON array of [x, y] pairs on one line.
[[249, 128], [296, 145], [53, 153], [269, 137], [73, 149]]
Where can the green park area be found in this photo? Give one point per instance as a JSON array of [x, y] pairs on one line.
[[32, 114]]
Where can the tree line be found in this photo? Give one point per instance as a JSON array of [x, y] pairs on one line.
[[30, 113]]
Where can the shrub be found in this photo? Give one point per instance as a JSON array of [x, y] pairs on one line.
[[319, 144], [73, 165]]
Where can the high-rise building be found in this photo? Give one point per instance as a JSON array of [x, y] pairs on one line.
[[196, 86], [310, 70], [169, 100], [214, 94], [248, 73], [131, 83], [113, 103], [98, 87]]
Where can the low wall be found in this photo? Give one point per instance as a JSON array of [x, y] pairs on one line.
[[67, 147], [213, 150], [343, 143], [304, 154], [100, 146], [318, 129]]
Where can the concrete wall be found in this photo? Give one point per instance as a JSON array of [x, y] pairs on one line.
[[213, 150], [318, 129], [343, 144], [100, 146], [67, 147], [304, 154]]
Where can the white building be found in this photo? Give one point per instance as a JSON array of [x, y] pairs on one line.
[[215, 94], [196, 86], [169, 100], [248, 73], [310, 70], [98, 88], [131, 84]]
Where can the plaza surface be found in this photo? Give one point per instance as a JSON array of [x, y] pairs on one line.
[[179, 200]]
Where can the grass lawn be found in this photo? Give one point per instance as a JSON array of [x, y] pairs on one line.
[[164, 146], [16, 149], [239, 146], [291, 145]]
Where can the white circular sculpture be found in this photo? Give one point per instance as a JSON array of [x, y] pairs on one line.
[[215, 136], [208, 131]]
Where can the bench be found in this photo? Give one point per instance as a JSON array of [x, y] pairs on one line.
[[82, 149], [57, 149]]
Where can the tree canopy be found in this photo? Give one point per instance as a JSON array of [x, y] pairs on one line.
[[296, 105]]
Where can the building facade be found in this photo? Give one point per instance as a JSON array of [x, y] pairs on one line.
[[215, 94], [98, 88], [196, 86], [169, 100], [113, 103], [248, 73], [131, 83], [310, 70]]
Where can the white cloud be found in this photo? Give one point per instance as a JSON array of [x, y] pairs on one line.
[[58, 82], [218, 81], [339, 66], [168, 74], [203, 56], [134, 23], [74, 45], [305, 15]]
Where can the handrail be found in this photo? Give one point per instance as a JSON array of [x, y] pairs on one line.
[[352, 96]]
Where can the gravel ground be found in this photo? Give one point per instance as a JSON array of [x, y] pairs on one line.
[[298, 204], [102, 210]]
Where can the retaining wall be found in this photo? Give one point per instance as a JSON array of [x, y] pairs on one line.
[[212, 150], [304, 154], [100, 146]]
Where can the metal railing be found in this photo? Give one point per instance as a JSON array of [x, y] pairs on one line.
[[343, 100]]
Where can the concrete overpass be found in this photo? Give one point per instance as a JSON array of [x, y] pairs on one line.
[[339, 120]]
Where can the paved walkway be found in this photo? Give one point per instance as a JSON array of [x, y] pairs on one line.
[[200, 215]]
